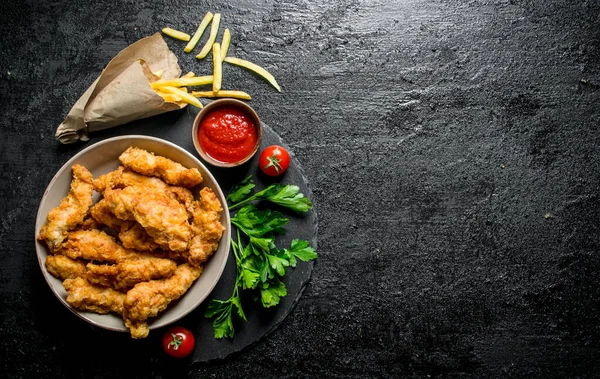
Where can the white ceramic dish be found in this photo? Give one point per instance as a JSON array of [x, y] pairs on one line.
[[100, 158]]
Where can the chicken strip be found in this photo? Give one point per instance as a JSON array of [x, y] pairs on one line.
[[122, 177], [94, 245], [128, 273], [163, 218], [102, 213], [146, 163], [90, 223], [101, 275], [206, 226], [63, 267], [88, 297], [184, 196], [147, 299], [71, 211], [134, 236], [131, 234]]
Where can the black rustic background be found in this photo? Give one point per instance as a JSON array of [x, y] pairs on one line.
[[453, 151]]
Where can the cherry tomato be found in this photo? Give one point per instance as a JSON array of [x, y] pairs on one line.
[[274, 160], [178, 342]]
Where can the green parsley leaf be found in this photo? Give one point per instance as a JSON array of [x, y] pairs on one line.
[[302, 251], [266, 271], [241, 191], [278, 264], [287, 196], [258, 223], [262, 244], [223, 323], [250, 276], [271, 293], [237, 303]]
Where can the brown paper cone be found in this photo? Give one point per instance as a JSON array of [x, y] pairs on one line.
[[122, 93]]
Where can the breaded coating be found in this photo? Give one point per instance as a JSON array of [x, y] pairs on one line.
[[88, 297], [94, 245], [122, 177], [130, 272], [90, 223], [134, 236], [183, 196], [146, 163], [163, 218], [102, 213], [131, 234], [71, 211], [101, 275], [106, 181], [206, 226], [147, 299], [63, 267], [137, 329]]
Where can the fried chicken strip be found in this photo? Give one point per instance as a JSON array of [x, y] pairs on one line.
[[63, 267], [102, 213], [71, 211], [94, 245], [206, 226], [163, 218], [130, 272], [147, 299], [122, 177], [88, 297], [90, 223], [134, 236], [146, 163], [131, 234]]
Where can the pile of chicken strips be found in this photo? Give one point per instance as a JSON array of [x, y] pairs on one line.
[[138, 248]]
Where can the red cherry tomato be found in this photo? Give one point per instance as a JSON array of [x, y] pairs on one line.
[[274, 160], [178, 342]]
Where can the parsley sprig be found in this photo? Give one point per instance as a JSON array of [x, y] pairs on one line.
[[260, 264], [285, 195]]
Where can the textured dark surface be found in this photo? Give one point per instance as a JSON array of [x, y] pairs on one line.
[[453, 149]]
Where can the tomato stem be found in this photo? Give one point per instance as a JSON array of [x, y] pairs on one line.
[[177, 341], [274, 161]]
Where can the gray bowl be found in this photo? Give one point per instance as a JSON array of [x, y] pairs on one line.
[[101, 158]]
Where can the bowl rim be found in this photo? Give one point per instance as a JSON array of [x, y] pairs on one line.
[[155, 322], [220, 103]]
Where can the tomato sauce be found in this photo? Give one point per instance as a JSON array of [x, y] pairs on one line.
[[227, 134]]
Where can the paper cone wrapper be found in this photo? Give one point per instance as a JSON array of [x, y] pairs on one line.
[[122, 93]]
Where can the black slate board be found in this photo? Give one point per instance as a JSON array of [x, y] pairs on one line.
[[176, 127]]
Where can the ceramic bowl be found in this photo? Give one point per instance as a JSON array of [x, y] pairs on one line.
[[233, 103], [100, 158]]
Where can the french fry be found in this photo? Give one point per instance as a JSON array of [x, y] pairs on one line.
[[176, 34], [225, 43], [203, 24], [217, 67], [254, 67], [214, 30], [183, 82], [222, 93], [169, 97], [189, 75], [158, 73], [188, 98]]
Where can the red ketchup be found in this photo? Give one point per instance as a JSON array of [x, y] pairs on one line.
[[227, 134]]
